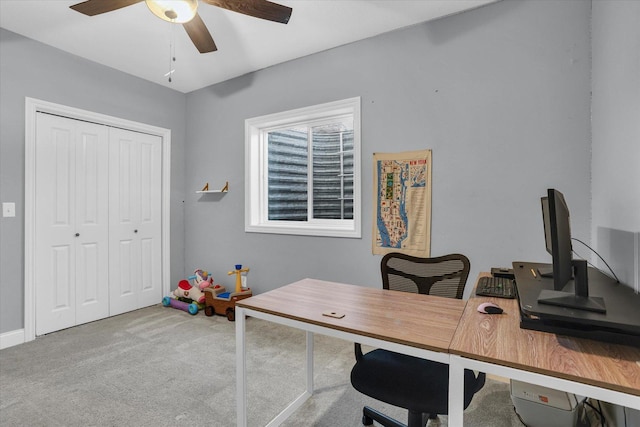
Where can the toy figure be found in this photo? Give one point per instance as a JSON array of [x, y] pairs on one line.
[[238, 272], [202, 279]]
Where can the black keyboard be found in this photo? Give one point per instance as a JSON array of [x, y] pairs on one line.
[[501, 287]]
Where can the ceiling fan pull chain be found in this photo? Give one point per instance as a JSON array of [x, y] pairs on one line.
[[172, 53]]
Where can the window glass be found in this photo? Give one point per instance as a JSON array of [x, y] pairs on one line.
[[303, 171]]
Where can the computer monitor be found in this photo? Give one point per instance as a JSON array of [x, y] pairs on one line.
[[557, 231]]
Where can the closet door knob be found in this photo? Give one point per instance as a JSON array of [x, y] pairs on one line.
[[135, 231], [77, 234]]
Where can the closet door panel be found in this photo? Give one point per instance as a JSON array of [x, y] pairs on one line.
[[135, 220], [55, 286], [124, 247], [150, 226], [92, 222], [71, 222]]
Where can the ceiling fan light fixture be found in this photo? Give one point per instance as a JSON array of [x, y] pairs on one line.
[[178, 11]]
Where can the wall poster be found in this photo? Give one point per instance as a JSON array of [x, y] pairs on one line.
[[402, 203]]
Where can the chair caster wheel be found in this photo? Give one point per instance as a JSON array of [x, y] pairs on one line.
[[366, 421]]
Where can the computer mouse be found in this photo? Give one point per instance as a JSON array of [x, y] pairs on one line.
[[489, 308]]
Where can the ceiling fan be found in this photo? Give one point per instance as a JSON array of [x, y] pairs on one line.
[[185, 12]]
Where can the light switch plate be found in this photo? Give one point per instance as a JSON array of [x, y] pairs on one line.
[[8, 209]]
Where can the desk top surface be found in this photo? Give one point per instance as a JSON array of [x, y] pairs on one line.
[[499, 339], [421, 321]]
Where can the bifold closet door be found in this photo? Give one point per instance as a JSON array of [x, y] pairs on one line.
[[71, 225], [135, 222]]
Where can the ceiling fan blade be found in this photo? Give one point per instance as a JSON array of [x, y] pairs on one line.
[[199, 35], [262, 9], [96, 7]]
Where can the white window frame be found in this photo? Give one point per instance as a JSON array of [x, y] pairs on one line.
[[256, 196]]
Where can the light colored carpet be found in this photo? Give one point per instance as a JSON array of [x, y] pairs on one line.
[[163, 367]]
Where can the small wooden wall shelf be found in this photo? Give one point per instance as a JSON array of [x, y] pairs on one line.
[[205, 189]]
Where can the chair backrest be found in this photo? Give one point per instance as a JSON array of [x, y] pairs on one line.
[[443, 276]]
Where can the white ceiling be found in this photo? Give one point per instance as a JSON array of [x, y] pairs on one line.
[[136, 42]]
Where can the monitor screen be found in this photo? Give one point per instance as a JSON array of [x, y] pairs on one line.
[[545, 221], [558, 237]]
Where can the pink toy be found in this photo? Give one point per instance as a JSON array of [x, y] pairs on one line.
[[202, 279], [205, 283], [185, 290]]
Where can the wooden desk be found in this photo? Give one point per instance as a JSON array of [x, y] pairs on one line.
[[496, 344], [419, 325]]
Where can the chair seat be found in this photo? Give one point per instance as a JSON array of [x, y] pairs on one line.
[[408, 382]]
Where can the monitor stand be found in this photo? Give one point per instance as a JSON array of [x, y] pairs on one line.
[[569, 300], [580, 299]]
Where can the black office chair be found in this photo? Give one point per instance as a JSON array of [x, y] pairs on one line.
[[421, 386]]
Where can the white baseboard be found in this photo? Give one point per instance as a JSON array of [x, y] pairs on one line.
[[9, 339]]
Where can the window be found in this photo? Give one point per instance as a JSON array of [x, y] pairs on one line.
[[302, 171]]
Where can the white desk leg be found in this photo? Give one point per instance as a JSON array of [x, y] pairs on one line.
[[299, 401], [241, 369], [310, 362], [456, 391]]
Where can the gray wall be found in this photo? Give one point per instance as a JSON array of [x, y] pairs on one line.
[[32, 69], [616, 136], [501, 95]]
